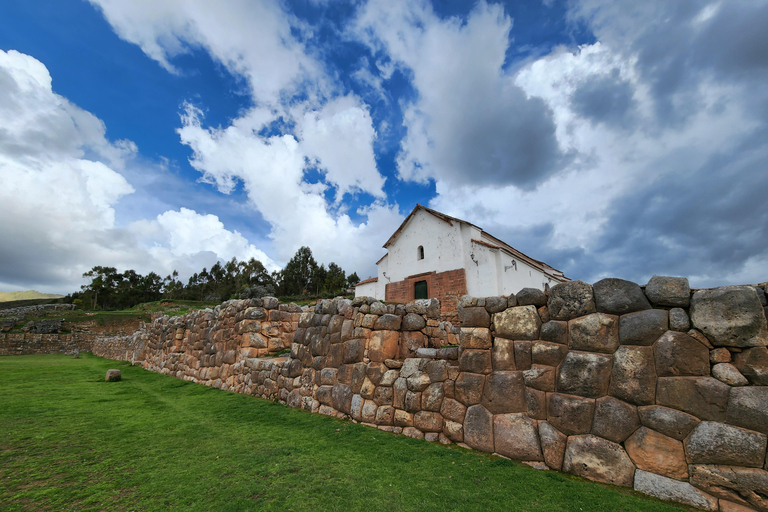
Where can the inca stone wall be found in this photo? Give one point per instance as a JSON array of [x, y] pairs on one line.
[[660, 388]]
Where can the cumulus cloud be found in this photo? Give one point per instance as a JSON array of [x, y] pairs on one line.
[[62, 179], [471, 123]]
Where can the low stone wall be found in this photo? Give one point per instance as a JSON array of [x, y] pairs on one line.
[[660, 388], [17, 344], [35, 310]]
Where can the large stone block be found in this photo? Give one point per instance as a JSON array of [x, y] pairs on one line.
[[679, 320], [548, 353], [731, 316], [342, 397], [597, 332], [413, 322], [614, 420], [570, 414], [729, 374], [569, 300], [657, 453], [746, 486], [668, 291], [552, 445], [643, 328], [748, 408], [411, 342], [540, 377], [704, 397], [387, 322], [475, 338], [717, 443], [383, 345], [677, 355], [670, 422], [432, 397], [555, 331], [618, 297], [673, 490], [531, 297], [478, 428], [585, 374], [598, 459], [523, 355], [453, 410], [518, 323], [469, 388], [516, 437], [428, 421], [474, 317], [503, 354], [475, 361], [753, 364], [536, 401], [633, 376], [504, 392]]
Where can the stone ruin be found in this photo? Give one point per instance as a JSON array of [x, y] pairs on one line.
[[663, 389]]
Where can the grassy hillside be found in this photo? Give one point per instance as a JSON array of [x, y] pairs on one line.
[[27, 295]]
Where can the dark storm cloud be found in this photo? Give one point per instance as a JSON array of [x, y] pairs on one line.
[[605, 99]]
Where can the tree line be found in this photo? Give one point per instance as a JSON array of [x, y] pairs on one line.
[[301, 277]]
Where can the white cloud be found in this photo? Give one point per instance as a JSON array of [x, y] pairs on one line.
[[61, 183]]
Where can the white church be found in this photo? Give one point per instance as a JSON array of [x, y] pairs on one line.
[[435, 255]]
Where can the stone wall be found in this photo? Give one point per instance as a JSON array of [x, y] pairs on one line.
[[660, 388], [17, 344], [35, 310]]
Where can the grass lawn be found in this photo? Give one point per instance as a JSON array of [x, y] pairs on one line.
[[70, 441]]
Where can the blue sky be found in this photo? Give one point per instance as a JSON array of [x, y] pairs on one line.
[[607, 138]]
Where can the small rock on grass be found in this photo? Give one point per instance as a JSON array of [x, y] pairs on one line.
[[113, 375]]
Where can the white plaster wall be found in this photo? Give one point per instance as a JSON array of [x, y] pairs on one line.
[[442, 244], [366, 290]]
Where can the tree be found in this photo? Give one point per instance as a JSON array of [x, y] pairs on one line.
[[297, 276], [335, 279], [352, 279]]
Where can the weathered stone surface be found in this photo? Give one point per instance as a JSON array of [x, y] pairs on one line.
[[413, 433], [453, 410], [478, 428], [475, 361], [504, 392], [383, 345], [454, 431], [657, 453], [531, 297], [412, 401], [475, 337], [555, 331], [618, 297], [413, 322], [387, 322], [598, 459], [418, 381], [679, 320], [720, 355], [668, 291], [113, 375], [717, 443], [469, 388], [642, 328], [400, 388], [548, 353], [704, 397], [597, 332], [385, 415], [552, 445], [516, 437], [368, 411], [673, 490], [584, 374], [353, 351], [523, 356], [437, 370], [570, 300], [403, 418], [474, 317], [410, 343], [570, 414], [753, 364], [677, 354], [748, 408], [432, 397], [729, 374], [633, 376], [747, 486], [731, 316], [518, 323], [383, 396], [496, 304], [540, 377], [536, 401], [503, 354], [670, 422], [342, 397], [615, 420], [428, 421]]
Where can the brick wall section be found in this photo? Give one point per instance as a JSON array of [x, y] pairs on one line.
[[447, 287]]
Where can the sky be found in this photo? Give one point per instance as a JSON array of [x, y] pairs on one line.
[[608, 138]]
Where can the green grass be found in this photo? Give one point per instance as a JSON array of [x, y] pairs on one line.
[[70, 441]]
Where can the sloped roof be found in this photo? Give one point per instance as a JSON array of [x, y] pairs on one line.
[[547, 269], [369, 280]]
